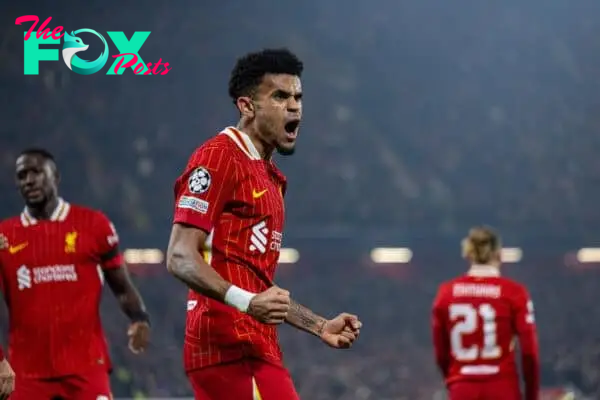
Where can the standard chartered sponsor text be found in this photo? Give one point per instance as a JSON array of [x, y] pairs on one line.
[[54, 273]]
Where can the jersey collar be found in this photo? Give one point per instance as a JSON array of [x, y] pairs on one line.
[[58, 215], [243, 141], [483, 271]]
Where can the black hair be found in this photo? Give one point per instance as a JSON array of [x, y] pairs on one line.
[[251, 68], [37, 151], [44, 154]]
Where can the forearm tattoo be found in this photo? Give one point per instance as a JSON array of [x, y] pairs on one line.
[[303, 318]]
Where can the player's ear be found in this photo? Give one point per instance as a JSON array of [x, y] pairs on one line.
[[55, 176], [55, 173], [246, 106]]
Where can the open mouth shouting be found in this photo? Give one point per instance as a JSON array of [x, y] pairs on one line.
[[291, 129]]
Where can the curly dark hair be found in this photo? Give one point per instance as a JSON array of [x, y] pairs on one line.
[[249, 70]]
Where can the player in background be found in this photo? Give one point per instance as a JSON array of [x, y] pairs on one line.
[[53, 262], [232, 192], [476, 318]]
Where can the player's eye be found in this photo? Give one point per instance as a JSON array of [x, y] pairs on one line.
[[22, 175], [280, 95]]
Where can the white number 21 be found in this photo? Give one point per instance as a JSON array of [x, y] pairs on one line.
[[469, 316]]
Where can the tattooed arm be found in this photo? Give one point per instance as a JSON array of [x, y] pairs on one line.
[[185, 262], [339, 332], [302, 318]]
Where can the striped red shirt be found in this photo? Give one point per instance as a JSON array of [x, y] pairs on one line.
[[230, 192], [475, 321], [51, 277]]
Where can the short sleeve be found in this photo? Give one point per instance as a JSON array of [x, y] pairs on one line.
[[204, 188], [107, 243]]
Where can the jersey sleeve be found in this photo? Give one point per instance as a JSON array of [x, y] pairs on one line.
[[439, 332], [204, 188], [524, 322], [107, 243]]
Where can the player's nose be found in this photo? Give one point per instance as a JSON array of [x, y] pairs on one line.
[[28, 181], [293, 107]]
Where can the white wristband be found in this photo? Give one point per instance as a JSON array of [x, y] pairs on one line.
[[238, 298]]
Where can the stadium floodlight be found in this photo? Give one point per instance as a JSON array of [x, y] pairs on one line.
[[143, 256], [588, 255], [391, 255], [288, 256], [511, 254]]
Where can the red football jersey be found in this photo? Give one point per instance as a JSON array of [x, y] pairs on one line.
[[51, 277], [235, 196], [476, 319]]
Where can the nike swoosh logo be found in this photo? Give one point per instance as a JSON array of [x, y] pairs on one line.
[[256, 195], [18, 248]]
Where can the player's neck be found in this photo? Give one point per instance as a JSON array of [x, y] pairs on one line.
[[265, 152], [44, 211], [486, 270]]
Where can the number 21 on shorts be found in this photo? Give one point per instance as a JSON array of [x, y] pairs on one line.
[[469, 323]]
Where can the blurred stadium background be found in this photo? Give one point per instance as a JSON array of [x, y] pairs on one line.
[[422, 118]]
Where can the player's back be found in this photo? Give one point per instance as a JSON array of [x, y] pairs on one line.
[[474, 323], [52, 284]]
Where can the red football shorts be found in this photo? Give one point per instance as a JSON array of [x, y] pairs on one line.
[[501, 389], [91, 386], [243, 380]]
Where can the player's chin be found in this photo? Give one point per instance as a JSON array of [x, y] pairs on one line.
[[34, 199], [286, 148]]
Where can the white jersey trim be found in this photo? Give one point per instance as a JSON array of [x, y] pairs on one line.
[[480, 370], [59, 214], [243, 141]]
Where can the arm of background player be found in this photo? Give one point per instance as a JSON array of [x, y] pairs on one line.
[[527, 332], [197, 209], [127, 295], [440, 335], [115, 272]]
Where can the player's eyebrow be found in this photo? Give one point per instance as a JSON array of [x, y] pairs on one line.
[[285, 94]]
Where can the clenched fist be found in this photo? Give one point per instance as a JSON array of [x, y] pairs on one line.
[[342, 331], [270, 306]]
